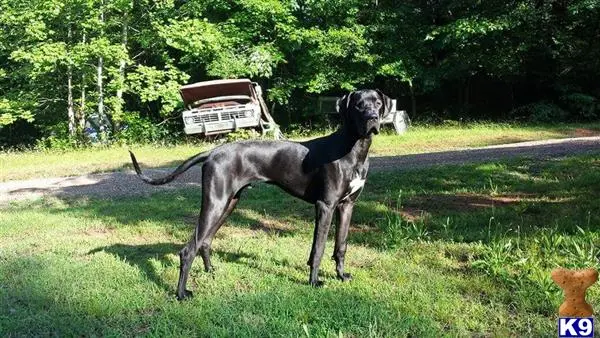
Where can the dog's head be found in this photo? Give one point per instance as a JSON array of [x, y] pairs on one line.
[[363, 110]]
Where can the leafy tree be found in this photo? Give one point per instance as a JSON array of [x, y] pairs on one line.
[[63, 62]]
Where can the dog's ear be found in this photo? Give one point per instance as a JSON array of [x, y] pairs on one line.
[[387, 103], [343, 104]]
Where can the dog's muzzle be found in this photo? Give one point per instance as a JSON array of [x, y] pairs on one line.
[[372, 126]]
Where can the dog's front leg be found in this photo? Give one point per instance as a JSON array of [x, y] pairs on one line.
[[324, 214], [341, 235]]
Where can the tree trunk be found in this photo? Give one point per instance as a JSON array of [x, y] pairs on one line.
[[512, 96], [117, 116], [99, 82], [467, 101], [413, 99], [82, 100], [460, 94], [70, 110]]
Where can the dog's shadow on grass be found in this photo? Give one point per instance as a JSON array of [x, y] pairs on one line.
[[166, 254], [141, 257]]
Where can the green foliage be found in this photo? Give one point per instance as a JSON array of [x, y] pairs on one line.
[[154, 85], [198, 39], [58, 139], [10, 111], [138, 130], [582, 105], [56, 142], [524, 264], [541, 112], [448, 59], [395, 231], [242, 134]]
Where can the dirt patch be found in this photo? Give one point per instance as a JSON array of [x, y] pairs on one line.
[[584, 132], [420, 207], [413, 213], [99, 232], [358, 230], [462, 202]]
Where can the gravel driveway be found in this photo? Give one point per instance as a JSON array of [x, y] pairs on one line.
[[127, 184]]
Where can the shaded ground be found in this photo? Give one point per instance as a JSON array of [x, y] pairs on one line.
[[127, 184], [421, 206], [109, 266]]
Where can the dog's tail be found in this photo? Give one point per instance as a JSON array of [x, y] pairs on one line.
[[183, 167]]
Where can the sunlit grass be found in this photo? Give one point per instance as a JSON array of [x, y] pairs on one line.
[[456, 251], [420, 138], [425, 138], [36, 164]]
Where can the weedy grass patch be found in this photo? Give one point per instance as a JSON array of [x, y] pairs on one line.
[[454, 250]]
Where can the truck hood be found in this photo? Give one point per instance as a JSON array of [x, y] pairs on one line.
[[207, 89]]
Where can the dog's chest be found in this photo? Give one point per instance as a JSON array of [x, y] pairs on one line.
[[356, 183]]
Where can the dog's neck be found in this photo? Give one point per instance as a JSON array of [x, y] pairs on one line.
[[354, 143], [342, 143]]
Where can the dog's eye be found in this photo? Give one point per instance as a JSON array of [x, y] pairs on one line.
[[378, 103]]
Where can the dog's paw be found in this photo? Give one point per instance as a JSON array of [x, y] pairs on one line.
[[187, 294], [317, 284], [345, 277]]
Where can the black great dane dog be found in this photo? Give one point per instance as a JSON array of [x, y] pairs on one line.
[[328, 172]]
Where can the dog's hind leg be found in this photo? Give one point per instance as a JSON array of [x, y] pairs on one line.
[[215, 202], [205, 249], [209, 217], [339, 252]]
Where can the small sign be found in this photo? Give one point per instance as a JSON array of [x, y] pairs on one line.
[[575, 327]]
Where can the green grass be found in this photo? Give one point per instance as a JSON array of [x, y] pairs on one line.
[[424, 138], [448, 251], [427, 138], [38, 164]]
